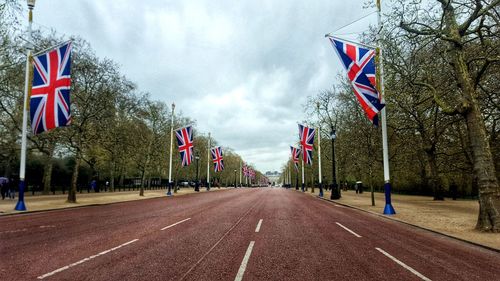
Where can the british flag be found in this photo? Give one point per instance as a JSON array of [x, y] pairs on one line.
[[245, 170], [50, 100], [306, 136], [295, 156], [217, 158], [185, 141], [360, 66]]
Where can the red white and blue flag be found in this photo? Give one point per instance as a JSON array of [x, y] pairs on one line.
[[295, 156], [245, 170], [359, 63], [217, 158], [185, 141], [50, 92], [306, 136]]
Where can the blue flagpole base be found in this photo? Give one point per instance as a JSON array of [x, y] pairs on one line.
[[389, 210], [20, 206]]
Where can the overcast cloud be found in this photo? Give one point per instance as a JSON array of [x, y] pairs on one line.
[[241, 69]]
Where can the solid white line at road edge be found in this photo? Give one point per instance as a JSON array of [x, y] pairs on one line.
[[257, 229], [85, 260], [352, 232], [243, 265], [174, 224], [403, 265]]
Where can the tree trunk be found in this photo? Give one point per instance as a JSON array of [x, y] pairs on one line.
[[483, 166], [74, 178], [47, 170], [435, 181], [143, 178], [112, 177], [484, 170]]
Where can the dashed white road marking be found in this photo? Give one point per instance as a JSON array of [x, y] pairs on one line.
[[47, 226], [85, 260], [14, 231], [175, 223], [403, 265], [217, 243], [352, 232], [257, 229], [243, 265]]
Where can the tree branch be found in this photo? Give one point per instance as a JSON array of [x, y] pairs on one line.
[[479, 11]]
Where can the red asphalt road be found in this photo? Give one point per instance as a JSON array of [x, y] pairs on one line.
[[299, 239]]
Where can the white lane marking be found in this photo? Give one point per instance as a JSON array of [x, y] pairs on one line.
[[14, 231], [257, 229], [217, 243], [175, 223], [47, 226], [85, 260], [244, 262], [403, 265], [352, 232]]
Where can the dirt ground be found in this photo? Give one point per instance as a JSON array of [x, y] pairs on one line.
[[455, 218]]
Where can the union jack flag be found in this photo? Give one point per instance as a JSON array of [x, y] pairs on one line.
[[360, 66], [217, 158], [185, 141], [295, 156], [306, 136], [245, 170], [49, 100]]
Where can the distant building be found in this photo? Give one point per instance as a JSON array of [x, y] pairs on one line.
[[273, 176]]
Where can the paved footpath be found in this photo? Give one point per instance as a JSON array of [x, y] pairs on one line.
[[238, 234]]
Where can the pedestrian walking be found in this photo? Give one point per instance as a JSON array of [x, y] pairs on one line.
[[3, 187], [93, 185], [11, 192]]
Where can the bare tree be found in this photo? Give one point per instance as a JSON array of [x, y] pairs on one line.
[[458, 24]]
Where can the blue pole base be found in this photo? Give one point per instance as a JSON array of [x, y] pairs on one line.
[[20, 206], [389, 210]]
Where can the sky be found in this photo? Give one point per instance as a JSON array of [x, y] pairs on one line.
[[242, 69]]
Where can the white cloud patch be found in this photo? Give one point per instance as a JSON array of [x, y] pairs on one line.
[[242, 69]]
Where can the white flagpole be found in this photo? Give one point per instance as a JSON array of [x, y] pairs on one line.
[[169, 192], [20, 206], [319, 163], [388, 210], [303, 173], [208, 161]]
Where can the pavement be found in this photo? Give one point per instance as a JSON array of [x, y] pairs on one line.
[[237, 234], [58, 201]]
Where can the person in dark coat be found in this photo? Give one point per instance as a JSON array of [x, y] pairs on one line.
[[3, 188]]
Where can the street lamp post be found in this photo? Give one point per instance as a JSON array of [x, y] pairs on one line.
[[20, 206], [234, 178], [197, 184], [335, 190], [169, 192]]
